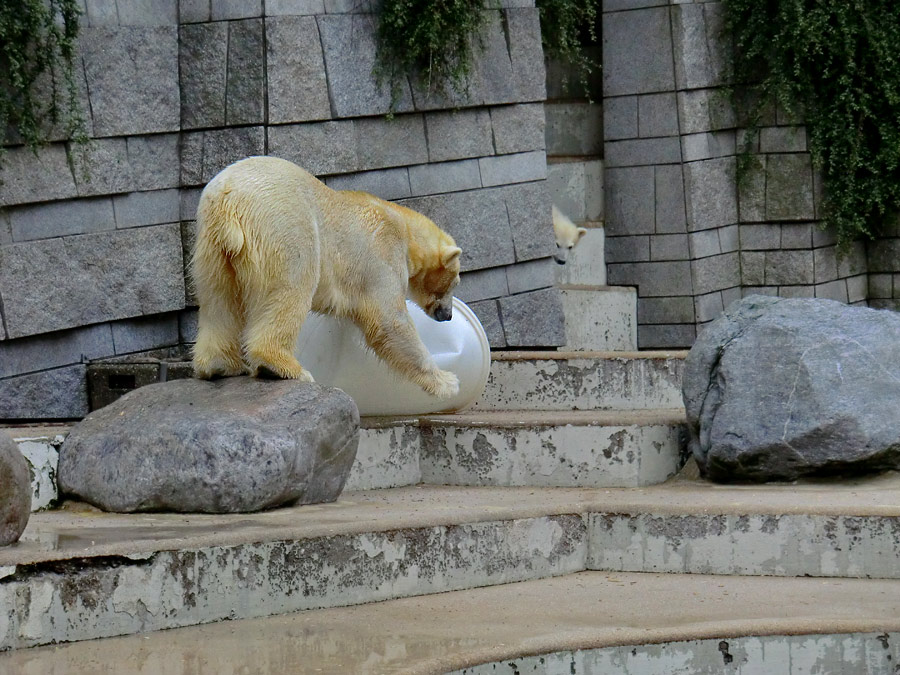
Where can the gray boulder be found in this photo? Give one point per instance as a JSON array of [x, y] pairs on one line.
[[777, 389], [15, 491], [231, 445]]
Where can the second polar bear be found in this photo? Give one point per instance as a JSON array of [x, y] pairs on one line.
[[567, 235], [274, 242]]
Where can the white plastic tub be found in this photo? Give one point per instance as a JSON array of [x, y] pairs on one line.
[[335, 352]]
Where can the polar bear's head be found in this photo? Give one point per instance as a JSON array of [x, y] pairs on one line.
[[567, 235], [433, 267], [432, 288]]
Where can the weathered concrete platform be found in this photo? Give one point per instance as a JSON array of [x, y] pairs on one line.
[[650, 623], [574, 380], [591, 448], [82, 574], [545, 448]]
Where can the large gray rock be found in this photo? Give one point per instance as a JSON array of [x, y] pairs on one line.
[[777, 389], [15, 491], [231, 445]]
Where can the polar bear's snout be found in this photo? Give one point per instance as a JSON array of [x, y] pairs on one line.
[[561, 255], [443, 313]]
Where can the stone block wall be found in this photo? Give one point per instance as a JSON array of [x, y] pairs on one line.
[[884, 270], [680, 224], [93, 243]]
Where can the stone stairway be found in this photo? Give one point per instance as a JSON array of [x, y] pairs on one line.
[[589, 622], [551, 528], [735, 563]]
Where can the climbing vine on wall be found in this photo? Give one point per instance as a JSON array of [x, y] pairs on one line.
[[836, 65], [38, 86], [438, 41], [566, 26], [435, 40]]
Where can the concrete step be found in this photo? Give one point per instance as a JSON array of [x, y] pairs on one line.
[[79, 574], [591, 448], [848, 528], [541, 448], [40, 447], [583, 381], [590, 622], [599, 318]]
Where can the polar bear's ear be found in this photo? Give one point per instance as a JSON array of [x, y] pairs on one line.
[[449, 254], [581, 233]]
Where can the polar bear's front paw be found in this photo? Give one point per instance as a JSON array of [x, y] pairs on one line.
[[444, 385]]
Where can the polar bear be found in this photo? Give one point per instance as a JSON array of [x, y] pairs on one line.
[[274, 242], [567, 235]]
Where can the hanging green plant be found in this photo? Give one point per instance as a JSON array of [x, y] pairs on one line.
[[837, 65], [437, 41], [434, 40], [566, 27], [38, 86]]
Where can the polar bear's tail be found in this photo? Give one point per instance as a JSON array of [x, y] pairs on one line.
[[220, 238], [217, 220]]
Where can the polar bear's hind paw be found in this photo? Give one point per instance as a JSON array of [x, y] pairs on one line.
[[212, 369], [280, 369]]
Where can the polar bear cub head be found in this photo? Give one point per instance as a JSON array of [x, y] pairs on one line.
[[567, 235], [434, 269]]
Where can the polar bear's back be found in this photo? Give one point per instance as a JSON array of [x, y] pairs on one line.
[[255, 177], [257, 201]]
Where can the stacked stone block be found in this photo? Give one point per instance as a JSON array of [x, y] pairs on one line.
[[884, 269], [681, 224], [93, 243], [90, 245], [647, 218]]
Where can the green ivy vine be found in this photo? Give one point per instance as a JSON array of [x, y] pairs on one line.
[[437, 41], [434, 40], [836, 65], [566, 27], [38, 85]]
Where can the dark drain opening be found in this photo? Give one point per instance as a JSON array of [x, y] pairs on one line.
[[121, 381]]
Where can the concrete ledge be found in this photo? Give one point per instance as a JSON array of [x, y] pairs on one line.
[[822, 528], [79, 532], [783, 654], [756, 544], [79, 574], [573, 449], [600, 317], [690, 624], [155, 590], [583, 381], [562, 448], [636, 448]]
